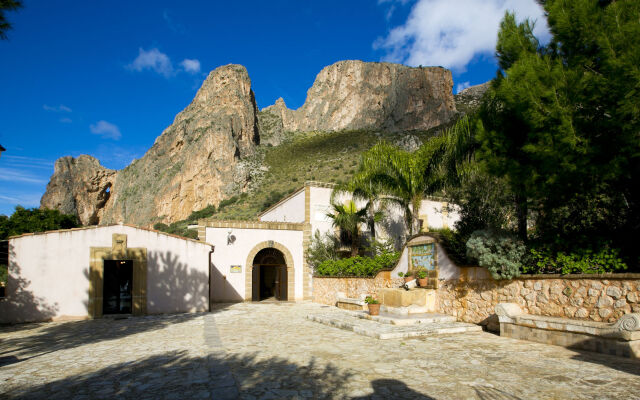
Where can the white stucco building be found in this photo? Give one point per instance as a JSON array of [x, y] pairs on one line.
[[116, 269], [266, 258]]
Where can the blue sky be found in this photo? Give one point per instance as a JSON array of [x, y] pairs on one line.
[[106, 78]]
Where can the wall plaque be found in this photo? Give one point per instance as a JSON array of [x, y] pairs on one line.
[[236, 269], [423, 256]]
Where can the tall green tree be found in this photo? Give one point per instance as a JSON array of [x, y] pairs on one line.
[[561, 122], [7, 5], [25, 220]]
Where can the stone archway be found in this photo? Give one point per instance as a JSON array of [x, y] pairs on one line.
[[248, 278]]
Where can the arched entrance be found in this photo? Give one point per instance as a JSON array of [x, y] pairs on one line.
[[269, 276], [269, 273]]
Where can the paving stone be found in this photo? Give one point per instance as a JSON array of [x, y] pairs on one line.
[[253, 351]]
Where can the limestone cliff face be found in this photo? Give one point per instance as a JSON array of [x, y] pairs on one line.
[[192, 164], [367, 95], [79, 186]]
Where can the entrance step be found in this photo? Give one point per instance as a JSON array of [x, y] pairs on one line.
[[360, 324], [410, 319]]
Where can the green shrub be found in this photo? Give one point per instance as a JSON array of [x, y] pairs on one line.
[[544, 261], [4, 273], [161, 227], [227, 202], [204, 213], [322, 248], [357, 266], [500, 253]]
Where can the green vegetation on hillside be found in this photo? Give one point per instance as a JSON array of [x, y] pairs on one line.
[[314, 156]]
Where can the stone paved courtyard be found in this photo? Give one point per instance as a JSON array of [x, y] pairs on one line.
[[271, 351]]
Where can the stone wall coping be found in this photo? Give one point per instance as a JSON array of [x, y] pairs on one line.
[[271, 225], [626, 328], [605, 276], [354, 277]]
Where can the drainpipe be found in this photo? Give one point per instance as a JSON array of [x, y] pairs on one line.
[[213, 248]]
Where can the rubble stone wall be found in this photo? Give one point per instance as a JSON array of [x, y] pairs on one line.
[[602, 298]]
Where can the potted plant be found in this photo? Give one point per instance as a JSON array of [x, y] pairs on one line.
[[373, 305], [421, 274], [408, 276]]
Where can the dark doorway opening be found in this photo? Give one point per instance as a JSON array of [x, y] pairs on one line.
[[269, 280], [118, 282]]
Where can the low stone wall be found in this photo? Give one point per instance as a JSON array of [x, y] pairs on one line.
[[603, 297], [326, 289]]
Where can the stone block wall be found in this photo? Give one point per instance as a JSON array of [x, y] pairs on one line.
[[597, 298], [326, 289]]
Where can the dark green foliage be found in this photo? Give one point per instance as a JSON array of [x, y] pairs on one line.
[[227, 202], [560, 124], [160, 226], [357, 266], [502, 254], [204, 213], [4, 273], [454, 243], [273, 197], [545, 261], [7, 5], [24, 220]]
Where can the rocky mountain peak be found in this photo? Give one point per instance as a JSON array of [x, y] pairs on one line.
[[354, 94]]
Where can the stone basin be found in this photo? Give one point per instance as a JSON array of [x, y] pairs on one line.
[[403, 302]]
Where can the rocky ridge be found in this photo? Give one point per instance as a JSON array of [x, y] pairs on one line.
[[203, 157], [351, 95]]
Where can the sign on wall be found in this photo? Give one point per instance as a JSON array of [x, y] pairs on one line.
[[236, 269], [423, 256]]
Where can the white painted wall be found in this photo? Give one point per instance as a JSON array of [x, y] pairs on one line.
[[319, 206], [49, 273], [436, 218], [291, 210], [227, 286]]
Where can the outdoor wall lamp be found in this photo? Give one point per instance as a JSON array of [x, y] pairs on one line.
[[230, 238]]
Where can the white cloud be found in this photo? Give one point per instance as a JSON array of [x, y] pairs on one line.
[[462, 86], [452, 33], [105, 129], [66, 120], [60, 108], [152, 59], [19, 175], [191, 66]]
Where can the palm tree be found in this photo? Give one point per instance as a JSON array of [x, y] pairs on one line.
[[347, 217], [367, 192], [403, 176]]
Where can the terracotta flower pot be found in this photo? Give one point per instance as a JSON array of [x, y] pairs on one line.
[[374, 309], [408, 279], [423, 281]]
